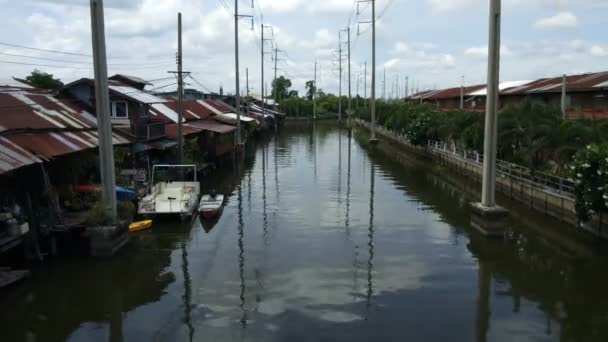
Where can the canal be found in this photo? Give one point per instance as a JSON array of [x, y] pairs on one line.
[[323, 240]]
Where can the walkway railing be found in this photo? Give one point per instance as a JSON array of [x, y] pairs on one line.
[[539, 180]]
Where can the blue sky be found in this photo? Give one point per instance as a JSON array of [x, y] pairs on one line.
[[434, 42]]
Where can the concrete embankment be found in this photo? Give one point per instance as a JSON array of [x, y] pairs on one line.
[[551, 201]]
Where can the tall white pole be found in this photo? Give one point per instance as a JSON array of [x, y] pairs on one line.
[[349, 80], [462, 94], [262, 83], [236, 63], [340, 76], [102, 104], [365, 84], [488, 195], [180, 93], [314, 95], [373, 99], [564, 97]]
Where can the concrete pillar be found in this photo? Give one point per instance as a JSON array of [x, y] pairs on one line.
[[487, 217]]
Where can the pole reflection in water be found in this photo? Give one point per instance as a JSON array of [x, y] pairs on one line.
[[339, 166], [242, 257], [370, 243], [187, 297], [264, 204], [483, 302]]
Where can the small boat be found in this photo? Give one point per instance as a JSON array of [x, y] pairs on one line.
[[175, 192], [211, 205], [140, 225]]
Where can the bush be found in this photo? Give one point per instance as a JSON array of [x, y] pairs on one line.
[[590, 171], [98, 216]]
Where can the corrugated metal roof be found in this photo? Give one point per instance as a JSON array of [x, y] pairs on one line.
[[501, 86], [136, 95], [213, 126], [12, 156], [187, 129], [193, 110], [583, 82], [36, 110]]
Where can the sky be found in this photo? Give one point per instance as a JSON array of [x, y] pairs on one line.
[[434, 43]]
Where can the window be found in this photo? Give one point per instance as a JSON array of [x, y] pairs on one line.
[[120, 110]]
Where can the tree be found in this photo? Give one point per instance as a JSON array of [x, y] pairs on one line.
[[43, 80], [590, 171], [280, 87], [310, 90]]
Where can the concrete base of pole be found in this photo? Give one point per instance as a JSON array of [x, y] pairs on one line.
[[490, 221]]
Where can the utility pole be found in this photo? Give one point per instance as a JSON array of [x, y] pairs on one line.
[[247, 83], [340, 76], [486, 216], [462, 94], [262, 63], [276, 52], [365, 84], [236, 66], [350, 109], [384, 86], [237, 73], [564, 97], [180, 93], [407, 85], [373, 136], [314, 95], [102, 104], [489, 165]]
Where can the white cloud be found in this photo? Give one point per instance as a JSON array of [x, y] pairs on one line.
[[599, 51], [482, 51], [562, 20], [449, 5]]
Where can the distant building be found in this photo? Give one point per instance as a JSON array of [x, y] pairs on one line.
[[586, 95]]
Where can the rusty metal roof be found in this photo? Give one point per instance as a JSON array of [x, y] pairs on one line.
[[575, 83], [193, 110], [213, 126], [30, 109], [187, 129], [12, 156]]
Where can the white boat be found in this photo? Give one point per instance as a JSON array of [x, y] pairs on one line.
[[211, 205], [175, 191]]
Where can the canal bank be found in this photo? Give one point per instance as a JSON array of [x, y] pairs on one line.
[[552, 196], [321, 239]]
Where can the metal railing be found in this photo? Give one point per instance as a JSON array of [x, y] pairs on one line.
[[151, 131], [539, 180]]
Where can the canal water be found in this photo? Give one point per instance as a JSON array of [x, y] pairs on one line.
[[323, 240]]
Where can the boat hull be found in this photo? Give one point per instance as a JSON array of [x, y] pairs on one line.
[[139, 226]]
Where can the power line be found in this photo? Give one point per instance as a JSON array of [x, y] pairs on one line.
[[45, 50], [79, 62]]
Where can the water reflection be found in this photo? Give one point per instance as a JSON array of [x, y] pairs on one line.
[[187, 297], [370, 242], [374, 268], [241, 247]]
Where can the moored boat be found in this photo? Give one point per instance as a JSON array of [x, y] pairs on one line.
[[211, 205], [176, 191], [140, 225]]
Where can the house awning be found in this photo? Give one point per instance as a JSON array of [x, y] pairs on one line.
[[213, 126]]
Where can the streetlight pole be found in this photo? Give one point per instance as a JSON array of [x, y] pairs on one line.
[[487, 217], [102, 104]]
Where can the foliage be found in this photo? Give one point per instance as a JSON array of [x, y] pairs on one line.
[[43, 80], [590, 171], [280, 88], [98, 215], [310, 90]]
